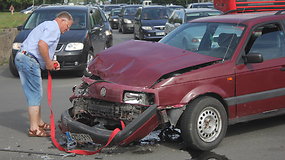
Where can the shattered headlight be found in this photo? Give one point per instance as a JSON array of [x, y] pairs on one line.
[[138, 98], [74, 46]]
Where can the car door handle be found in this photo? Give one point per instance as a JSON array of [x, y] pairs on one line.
[[282, 69]]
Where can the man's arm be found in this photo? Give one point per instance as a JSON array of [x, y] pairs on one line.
[[43, 48]]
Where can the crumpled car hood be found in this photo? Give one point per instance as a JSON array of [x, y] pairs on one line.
[[142, 63]]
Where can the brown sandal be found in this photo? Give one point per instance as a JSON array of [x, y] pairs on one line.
[[38, 133], [45, 126]]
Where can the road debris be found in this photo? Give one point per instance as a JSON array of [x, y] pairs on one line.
[[63, 155]]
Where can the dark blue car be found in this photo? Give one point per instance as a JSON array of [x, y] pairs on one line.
[[150, 22], [126, 18], [89, 34]]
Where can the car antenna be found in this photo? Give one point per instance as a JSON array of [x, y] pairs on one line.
[[231, 40]]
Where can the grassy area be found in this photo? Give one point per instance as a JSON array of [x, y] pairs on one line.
[[12, 21]]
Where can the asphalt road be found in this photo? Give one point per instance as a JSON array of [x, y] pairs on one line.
[[256, 140]]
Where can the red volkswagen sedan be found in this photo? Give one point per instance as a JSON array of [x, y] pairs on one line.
[[205, 75]]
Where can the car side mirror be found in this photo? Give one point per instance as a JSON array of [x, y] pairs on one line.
[[97, 28], [253, 58], [19, 28]]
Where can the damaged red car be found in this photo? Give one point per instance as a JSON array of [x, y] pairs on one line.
[[205, 75]]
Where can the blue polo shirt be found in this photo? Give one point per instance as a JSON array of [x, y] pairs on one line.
[[47, 31]]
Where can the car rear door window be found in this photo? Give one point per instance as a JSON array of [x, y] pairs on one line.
[[267, 40]]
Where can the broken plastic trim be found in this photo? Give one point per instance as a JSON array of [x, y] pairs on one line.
[[100, 135]]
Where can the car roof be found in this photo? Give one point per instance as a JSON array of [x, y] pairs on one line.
[[203, 3], [63, 7], [189, 10], [131, 6], [154, 6], [175, 6], [244, 18]]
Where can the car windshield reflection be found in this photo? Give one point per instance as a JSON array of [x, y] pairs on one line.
[[155, 13], [212, 39], [36, 18]]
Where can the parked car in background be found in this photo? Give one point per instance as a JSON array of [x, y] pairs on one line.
[[150, 22], [108, 8], [89, 34], [174, 7], [201, 5], [181, 16], [126, 18], [114, 18]]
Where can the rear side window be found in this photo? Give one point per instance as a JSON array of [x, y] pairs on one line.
[[175, 18], [267, 40], [97, 18]]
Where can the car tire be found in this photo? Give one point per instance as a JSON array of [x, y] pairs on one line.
[[12, 67], [204, 123], [124, 30], [119, 28], [135, 37], [89, 59]]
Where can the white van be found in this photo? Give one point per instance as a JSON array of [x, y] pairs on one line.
[[146, 3]]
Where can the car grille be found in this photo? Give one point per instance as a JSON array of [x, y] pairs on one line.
[[159, 27], [109, 110]]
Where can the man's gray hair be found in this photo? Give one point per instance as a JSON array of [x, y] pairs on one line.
[[65, 15]]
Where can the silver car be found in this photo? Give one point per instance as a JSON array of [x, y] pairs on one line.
[[181, 16]]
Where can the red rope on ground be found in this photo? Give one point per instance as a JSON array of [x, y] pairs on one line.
[[52, 132]]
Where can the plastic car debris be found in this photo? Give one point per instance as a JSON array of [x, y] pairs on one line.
[[70, 141]]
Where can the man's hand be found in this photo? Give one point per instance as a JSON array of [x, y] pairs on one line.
[[56, 65], [52, 65]]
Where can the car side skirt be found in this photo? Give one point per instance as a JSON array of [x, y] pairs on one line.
[[263, 115]]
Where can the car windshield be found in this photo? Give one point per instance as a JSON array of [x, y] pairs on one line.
[[79, 19], [212, 39], [130, 11], [203, 6], [115, 12], [109, 8], [172, 8], [155, 13], [194, 15]]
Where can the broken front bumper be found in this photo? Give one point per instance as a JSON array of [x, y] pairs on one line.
[[137, 129]]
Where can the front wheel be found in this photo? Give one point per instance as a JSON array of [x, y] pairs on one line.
[[12, 67], [204, 123]]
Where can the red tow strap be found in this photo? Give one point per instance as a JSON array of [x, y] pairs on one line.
[[52, 132]]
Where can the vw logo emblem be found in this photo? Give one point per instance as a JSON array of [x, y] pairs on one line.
[[103, 92]]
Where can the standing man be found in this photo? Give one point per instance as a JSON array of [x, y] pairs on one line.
[[36, 53]]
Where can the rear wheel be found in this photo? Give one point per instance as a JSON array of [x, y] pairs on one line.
[[204, 123], [124, 30], [119, 28], [135, 37]]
